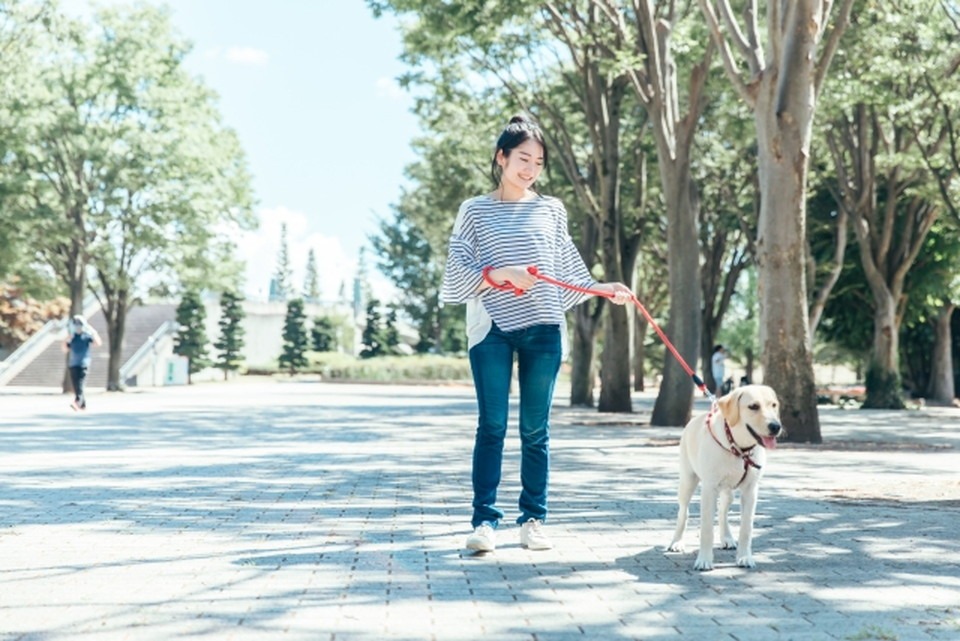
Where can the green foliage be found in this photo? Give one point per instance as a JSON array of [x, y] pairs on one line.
[[295, 338], [191, 339], [230, 344], [282, 286], [311, 285], [373, 339], [419, 368], [323, 335]]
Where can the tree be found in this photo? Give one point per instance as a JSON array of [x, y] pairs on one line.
[[311, 284], [191, 338], [391, 334], [282, 286], [230, 344], [323, 335], [890, 131], [569, 80], [125, 166], [295, 338], [779, 78], [373, 335]]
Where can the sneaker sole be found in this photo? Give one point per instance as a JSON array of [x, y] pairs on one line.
[[527, 546], [480, 547]]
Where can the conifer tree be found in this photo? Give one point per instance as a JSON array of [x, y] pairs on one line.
[[323, 335], [295, 338], [283, 276], [373, 343], [311, 285], [230, 343], [391, 335], [191, 339]]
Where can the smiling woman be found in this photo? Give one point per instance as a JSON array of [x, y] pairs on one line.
[[496, 238]]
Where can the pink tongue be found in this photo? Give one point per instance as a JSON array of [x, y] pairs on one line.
[[769, 442]]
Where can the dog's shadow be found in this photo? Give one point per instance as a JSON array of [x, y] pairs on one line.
[[656, 562]]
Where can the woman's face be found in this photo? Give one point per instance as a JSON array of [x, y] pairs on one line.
[[523, 166]]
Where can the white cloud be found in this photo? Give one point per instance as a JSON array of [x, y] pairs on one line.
[[261, 250]]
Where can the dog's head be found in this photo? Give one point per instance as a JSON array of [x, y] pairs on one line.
[[753, 414]]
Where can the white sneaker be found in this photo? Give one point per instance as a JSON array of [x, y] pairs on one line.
[[533, 537], [482, 539]]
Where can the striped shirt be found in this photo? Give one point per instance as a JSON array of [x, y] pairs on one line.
[[492, 233]]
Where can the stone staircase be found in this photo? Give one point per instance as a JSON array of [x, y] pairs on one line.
[[47, 369]]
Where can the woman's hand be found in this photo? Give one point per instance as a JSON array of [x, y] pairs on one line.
[[621, 294], [517, 275]]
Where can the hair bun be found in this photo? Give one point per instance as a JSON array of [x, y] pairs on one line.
[[518, 119]]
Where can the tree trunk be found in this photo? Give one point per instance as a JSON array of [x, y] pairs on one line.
[[615, 359], [940, 390], [583, 371], [785, 343], [883, 374], [615, 362], [640, 329], [116, 326], [675, 399]]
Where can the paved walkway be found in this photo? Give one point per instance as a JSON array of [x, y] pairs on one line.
[[262, 511]]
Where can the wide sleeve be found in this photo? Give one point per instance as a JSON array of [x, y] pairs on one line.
[[571, 268], [463, 273]]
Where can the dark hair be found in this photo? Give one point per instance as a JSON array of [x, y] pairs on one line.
[[519, 131], [717, 348]]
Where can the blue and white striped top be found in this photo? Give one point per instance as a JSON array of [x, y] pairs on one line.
[[492, 233]]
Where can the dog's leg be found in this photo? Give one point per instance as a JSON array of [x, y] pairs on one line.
[[748, 506], [708, 507], [688, 483], [726, 536]]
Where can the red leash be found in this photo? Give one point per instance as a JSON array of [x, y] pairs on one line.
[[507, 286]]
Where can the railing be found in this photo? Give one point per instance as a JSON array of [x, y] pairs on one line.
[[133, 365], [24, 355], [40, 341]]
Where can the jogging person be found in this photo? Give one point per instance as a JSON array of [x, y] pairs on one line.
[[496, 237], [81, 336]]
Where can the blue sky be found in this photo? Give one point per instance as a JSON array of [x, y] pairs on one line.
[[309, 86]]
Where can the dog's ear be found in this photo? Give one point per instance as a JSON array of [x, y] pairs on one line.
[[730, 407]]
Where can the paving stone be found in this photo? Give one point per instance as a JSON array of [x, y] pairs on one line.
[[268, 510]]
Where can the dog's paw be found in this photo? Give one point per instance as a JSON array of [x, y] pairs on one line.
[[703, 563], [746, 561], [729, 543], [676, 546]]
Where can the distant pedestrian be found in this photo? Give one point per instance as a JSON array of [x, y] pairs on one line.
[[496, 238], [79, 339], [717, 367]]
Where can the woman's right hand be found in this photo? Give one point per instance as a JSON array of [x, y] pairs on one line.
[[517, 275]]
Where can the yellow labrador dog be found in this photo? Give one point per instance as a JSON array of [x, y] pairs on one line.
[[725, 450]]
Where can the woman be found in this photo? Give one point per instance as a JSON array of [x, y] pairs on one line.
[[496, 237]]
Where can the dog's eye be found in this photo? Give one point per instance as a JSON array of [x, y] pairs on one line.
[[754, 406]]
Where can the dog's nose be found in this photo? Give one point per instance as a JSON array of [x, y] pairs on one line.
[[774, 427]]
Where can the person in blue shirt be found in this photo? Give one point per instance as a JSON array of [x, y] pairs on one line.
[[79, 339]]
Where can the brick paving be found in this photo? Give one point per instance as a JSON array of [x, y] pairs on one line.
[[299, 510]]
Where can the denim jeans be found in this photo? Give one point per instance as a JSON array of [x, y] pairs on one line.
[[538, 361]]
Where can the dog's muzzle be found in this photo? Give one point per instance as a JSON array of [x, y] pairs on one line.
[[774, 428]]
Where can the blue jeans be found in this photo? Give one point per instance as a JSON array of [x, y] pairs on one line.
[[538, 358]]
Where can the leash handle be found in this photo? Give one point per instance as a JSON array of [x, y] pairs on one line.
[[506, 286]]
